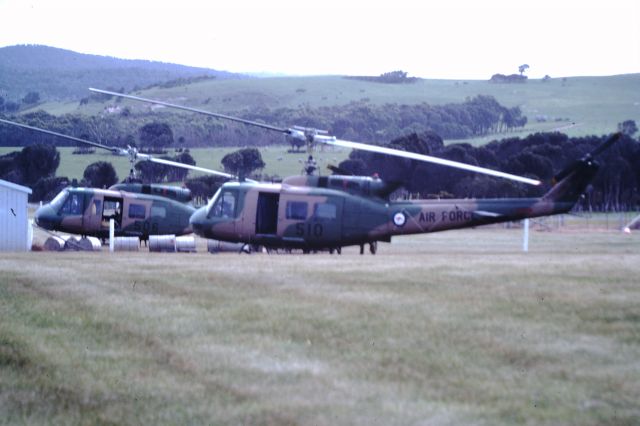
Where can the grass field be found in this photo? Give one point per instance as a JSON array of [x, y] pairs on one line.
[[278, 161], [453, 328]]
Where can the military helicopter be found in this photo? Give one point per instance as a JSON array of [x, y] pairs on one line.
[[138, 210], [330, 212]]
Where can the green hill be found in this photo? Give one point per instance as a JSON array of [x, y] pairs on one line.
[[578, 105], [59, 74], [575, 105]]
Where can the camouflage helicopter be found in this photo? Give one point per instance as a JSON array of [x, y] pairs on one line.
[[330, 212], [138, 210]]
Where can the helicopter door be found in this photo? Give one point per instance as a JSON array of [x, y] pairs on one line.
[[112, 209], [267, 213], [93, 216]]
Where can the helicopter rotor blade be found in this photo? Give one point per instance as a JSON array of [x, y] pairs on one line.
[[321, 136], [295, 132], [147, 157], [115, 150], [421, 157], [131, 152], [196, 110]]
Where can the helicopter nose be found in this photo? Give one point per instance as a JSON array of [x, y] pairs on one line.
[[45, 217], [198, 221]]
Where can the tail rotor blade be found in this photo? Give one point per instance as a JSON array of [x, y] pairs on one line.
[[606, 144]]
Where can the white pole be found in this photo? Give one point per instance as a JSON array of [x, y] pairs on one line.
[[525, 241], [29, 234], [112, 233]]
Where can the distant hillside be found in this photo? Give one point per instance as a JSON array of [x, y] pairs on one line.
[[576, 106], [58, 74]]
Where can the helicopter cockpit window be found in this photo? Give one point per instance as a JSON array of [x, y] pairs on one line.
[[296, 210], [59, 200], [224, 205], [73, 205], [324, 211], [158, 211], [137, 211]]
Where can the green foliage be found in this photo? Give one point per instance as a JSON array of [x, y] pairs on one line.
[[181, 81], [7, 164], [508, 79], [279, 162], [152, 172], [628, 127], [203, 187], [11, 106], [541, 155], [36, 162], [392, 77], [522, 68], [35, 167], [177, 174], [156, 135], [100, 174], [47, 188], [243, 162], [8, 169], [31, 98], [353, 166]]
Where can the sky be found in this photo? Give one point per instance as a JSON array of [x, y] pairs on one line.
[[451, 39]]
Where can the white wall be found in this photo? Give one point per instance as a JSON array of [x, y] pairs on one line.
[[14, 217]]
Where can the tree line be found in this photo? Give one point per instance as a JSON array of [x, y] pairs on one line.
[[358, 121], [27, 100], [539, 156], [35, 166], [392, 77]]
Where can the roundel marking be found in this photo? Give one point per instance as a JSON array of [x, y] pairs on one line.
[[399, 219]]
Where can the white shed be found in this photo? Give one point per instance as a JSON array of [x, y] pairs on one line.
[[15, 228]]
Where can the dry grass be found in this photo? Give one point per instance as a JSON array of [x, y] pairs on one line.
[[452, 328]]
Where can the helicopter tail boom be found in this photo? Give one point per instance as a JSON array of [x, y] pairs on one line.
[[572, 182]]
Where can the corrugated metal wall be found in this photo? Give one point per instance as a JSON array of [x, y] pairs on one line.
[[14, 219]]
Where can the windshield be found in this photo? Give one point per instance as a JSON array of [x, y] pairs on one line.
[[59, 200], [224, 204], [212, 201]]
